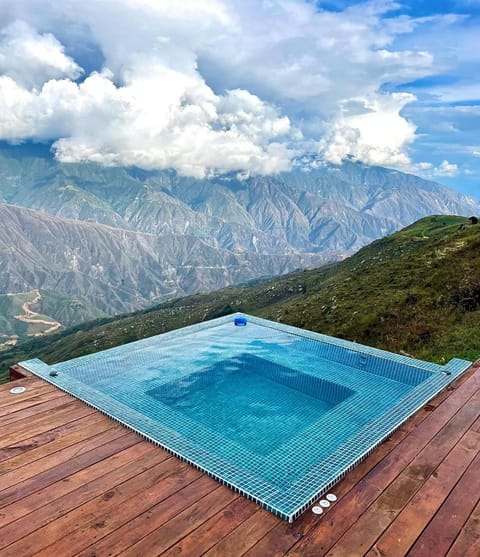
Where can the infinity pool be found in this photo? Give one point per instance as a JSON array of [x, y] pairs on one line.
[[277, 413]]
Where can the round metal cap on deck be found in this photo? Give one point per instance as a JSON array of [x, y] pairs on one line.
[[240, 321], [324, 503], [17, 390], [331, 497], [317, 510]]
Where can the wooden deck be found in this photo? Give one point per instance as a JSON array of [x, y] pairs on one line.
[[73, 482]]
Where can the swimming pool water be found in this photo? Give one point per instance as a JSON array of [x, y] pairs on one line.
[[277, 413], [248, 399]]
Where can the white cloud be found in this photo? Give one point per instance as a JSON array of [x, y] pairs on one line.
[[31, 59], [421, 166], [209, 86], [159, 121], [289, 50], [371, 130], [446, 169], [149, 106]]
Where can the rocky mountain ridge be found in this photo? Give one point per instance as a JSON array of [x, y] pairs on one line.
[[332, 210], [117, 239], [114, 269]]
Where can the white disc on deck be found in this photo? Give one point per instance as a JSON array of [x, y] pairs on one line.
[[324, 503], [317, 510], [17, 390], [331, 497]]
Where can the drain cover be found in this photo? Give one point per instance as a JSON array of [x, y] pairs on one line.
[[324, 503], [317, 510], [331, 497], [17, 390]]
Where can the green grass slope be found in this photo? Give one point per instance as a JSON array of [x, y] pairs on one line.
[[416, 292]]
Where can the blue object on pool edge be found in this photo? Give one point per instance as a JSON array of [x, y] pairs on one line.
[[240, 321], [277, 413]]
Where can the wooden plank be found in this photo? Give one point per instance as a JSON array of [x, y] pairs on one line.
[[449, 520], [469, 536], [65, 469], [131, 509], [459, 392], [410, 462], [476, 426], [37, 411], [143, 455], [16, 427], [69, 413], [439, 432], [181, 525], [322, 531], [24, 382], [67, 523], [30, 402], [17, 372], [39, 442], [90, 442], [473, 550], [392, 500], [244, 536], [214, 529], [130, 533], [402, 533], [81, 487], [276, 545], [111, 518], [34, 388], [370, 519]]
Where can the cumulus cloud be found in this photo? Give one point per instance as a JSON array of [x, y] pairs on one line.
[[161, 121], [446, 169], [208, 87], [371, 130], [291, 50], [30, 58]]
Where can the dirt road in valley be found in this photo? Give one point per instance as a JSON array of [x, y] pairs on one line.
[[30, 316]]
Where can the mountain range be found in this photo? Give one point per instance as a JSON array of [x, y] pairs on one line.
[[416, 292], [97, 241]]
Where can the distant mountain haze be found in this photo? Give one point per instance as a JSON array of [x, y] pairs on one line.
[[122, 238], [116, 269]]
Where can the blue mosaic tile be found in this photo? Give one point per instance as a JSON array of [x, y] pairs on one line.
[[276, 413]]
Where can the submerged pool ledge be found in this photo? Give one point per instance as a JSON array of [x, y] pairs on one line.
[[190, 390]]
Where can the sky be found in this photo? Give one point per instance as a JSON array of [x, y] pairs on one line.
[[246, 86]]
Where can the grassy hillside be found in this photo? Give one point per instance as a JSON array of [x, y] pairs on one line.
[[416, 292]]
